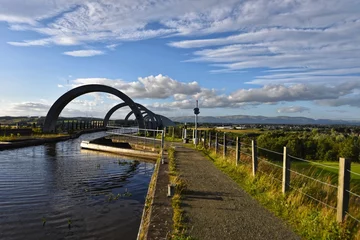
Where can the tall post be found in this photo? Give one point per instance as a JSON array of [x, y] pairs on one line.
[[224, 147], [286, 173], [254, 157], [238, 147], [216, 143], [343, 189], [196, 112], [204, 139], [162, 147], [209, 140]]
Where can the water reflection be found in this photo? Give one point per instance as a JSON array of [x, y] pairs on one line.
[[61, 183]]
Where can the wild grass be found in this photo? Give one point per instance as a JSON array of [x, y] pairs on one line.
[[34, 136], [309, 218], [179, 217]]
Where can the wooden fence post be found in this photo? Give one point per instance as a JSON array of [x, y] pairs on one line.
[[224, 147], [173, 132], [343, 188], [254, 157], [204, 139], [238, 146], [286, 173], [216, 143], [209, 140]]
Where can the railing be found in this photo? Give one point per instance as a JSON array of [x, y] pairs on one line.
[[139, 136], [335, 195]]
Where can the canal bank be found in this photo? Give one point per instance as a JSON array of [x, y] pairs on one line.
[[40, 141]]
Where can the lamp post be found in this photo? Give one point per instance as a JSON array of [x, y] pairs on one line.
[[196, 112]]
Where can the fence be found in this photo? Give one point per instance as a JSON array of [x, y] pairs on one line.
[[332, 193], [139, 137]]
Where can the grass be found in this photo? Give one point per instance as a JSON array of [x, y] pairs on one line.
[[34, 136], [355, 167], [179, 218], [308, 218]]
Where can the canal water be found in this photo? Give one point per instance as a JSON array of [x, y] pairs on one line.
[[58, 191]]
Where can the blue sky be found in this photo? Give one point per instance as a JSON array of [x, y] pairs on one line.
[[260, 57]]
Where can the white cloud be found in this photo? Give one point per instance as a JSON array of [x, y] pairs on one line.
[[280, 34], [60, 86], [293, 109], [84, 53], [112, 46], [28, 43], [159, 86]]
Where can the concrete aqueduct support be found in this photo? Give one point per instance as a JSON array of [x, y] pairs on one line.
[[55, 110]]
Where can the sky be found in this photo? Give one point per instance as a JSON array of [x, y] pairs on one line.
[[248, 57]]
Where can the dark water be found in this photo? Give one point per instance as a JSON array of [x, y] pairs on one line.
[[60, 184]]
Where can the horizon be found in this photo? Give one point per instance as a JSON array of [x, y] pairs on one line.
[[254, 58]]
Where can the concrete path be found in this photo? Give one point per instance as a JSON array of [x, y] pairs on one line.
[[218, 209]]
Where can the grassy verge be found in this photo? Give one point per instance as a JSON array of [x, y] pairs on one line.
[[145, 220], [34, 136], [310, 219], [179, 219]]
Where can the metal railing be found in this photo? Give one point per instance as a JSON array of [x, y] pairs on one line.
[[140, 137]]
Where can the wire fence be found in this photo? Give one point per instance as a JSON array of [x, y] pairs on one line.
[[325, 194]]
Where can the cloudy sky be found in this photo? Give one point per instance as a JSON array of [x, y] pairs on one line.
[[253, 57]]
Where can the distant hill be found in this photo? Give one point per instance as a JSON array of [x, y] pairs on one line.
[[246, 119]]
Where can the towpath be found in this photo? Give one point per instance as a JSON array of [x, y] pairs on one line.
[[217, 208]]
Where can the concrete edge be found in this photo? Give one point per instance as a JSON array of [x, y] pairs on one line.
[[122, 151], [153, 179]]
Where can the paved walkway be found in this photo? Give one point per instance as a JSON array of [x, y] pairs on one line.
[[218, 209]]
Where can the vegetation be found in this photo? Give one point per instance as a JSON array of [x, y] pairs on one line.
[[313, 145], [33, 136], [179, 218], [309, 218]]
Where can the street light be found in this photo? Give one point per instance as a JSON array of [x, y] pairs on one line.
[[196, 112]]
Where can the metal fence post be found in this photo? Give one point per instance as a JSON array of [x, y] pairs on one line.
[[216, 143], [224, 148], [254, 157], [286, 173], [238, 146], [343, 188]]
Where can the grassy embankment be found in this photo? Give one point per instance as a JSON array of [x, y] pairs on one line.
[[179, 218], [310, 219], [34, 136]]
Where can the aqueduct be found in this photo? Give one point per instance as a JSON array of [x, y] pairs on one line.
[[156, 121]]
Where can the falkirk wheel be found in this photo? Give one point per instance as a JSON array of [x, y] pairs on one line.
[[164, 121], [150, 118], [55, 110]]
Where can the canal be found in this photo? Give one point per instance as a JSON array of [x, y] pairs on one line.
[[58, 191]]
